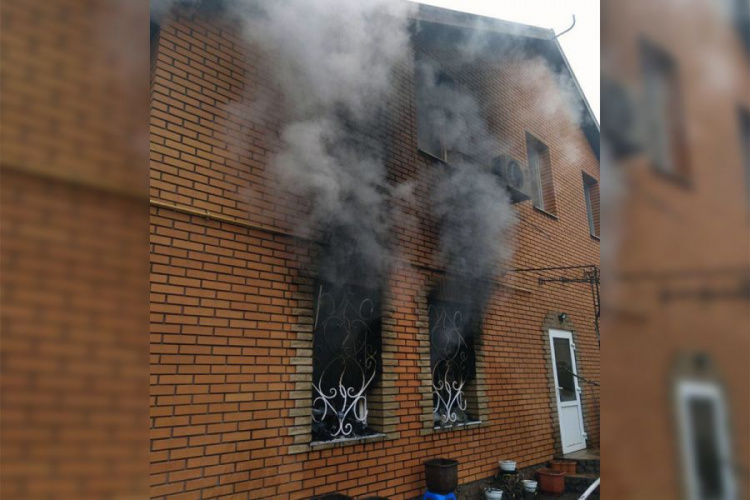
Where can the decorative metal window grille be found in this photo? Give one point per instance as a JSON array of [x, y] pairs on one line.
[[346, 360], [451, 361]]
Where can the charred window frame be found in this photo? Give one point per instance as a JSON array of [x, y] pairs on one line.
[[453, 335], [540, 167], [346, 360], [591, 196], [665, 124]]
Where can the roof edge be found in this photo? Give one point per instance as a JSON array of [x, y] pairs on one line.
[[458, 19]]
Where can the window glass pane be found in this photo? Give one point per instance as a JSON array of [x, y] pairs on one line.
[[535, 167], [591, 198], [707, 456], [666, 140], [564, 367], [589, 210]]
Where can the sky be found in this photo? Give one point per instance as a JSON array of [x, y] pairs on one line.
[[581, 45]]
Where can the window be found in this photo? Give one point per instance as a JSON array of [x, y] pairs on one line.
[[346, 360], [434, 90], [663, 113], [705, 441], [745, 145], [739, 11], [591, 195], [452, 362], [542, 187]]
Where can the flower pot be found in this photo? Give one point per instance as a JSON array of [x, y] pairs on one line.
[[441, 475], [507, 465], [529, 485], [551, 481], [566, 466], [493, 494]]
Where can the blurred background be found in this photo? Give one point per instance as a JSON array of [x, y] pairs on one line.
[[676, 210], [74, 249], [675, 115]]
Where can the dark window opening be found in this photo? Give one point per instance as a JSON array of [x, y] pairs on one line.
[[706, 448], [706, 442], [452, 361], [591, 195], [154, 32], [739, 11], [745, 145], [666, 140], [346, 360], [540, 169]]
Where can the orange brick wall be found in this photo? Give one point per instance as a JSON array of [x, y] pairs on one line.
[[73, 251], [231, 294]]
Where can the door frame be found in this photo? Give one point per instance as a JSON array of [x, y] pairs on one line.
[[566, 334]]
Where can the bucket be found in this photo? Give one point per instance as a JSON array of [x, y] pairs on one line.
[[493, 494], [441, 475], [551, 481]]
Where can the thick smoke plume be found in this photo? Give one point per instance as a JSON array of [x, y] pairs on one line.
[[333, 61], [473, 209]]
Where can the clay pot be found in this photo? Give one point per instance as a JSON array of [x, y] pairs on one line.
[[566, 466], [551, 481]]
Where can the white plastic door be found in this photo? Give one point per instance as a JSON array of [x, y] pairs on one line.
[[567, 391]]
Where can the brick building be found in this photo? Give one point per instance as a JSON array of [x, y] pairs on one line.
[[236, 298], [677, 348]]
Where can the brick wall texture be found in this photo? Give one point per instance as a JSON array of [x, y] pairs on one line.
[[73, 252], [231, 291]]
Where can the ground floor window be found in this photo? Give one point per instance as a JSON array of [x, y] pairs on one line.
[[452, 361], [346, 360]]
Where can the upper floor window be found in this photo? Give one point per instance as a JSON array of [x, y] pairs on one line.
[[591, 196], [745, 145], [663, 112], [434, 89], [540, 169], [739, 12]]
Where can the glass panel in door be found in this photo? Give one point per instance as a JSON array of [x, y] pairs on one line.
[[565, 372]]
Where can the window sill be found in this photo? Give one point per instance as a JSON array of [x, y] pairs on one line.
[[338, 443], [544, 212], [431, 156], [455, 427], [676, 179]]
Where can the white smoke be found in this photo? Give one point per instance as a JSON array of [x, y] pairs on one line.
[[334, 62]]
